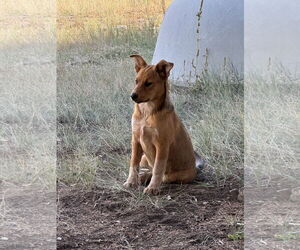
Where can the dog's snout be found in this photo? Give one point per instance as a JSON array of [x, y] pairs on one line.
[[134, 96]]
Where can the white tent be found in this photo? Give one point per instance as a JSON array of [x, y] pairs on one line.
[[201, 34], [272, 35]]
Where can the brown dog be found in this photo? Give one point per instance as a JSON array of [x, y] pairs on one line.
[[160, 142]]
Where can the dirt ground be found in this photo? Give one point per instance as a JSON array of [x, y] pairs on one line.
[[27, 217], [271, 217], [181, 217]]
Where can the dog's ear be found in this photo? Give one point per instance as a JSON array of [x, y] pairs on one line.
[[163, 68], [139, 62]]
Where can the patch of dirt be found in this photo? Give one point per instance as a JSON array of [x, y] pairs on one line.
[[181, 217], [272, 219], [27, 218]]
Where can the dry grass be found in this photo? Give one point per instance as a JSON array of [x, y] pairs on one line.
[[27, 21], [272, 124], [28, 74], [90, 20], [28, 93], [113, 12], [27, 117], [94, 77], [95, 39], [68, 21], [94, 44], [94, 112]]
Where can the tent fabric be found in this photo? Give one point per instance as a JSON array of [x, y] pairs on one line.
[[272, 35], [199, 35]]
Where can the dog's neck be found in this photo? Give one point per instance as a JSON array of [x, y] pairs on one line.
[[153, 107]]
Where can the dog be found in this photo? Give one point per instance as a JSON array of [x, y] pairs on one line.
[[160, 142]]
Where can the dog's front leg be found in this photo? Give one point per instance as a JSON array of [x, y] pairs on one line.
[[136, 155], [158, 171]]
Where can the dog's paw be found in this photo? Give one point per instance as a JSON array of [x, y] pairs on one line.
[[130, 184], [151, 190]]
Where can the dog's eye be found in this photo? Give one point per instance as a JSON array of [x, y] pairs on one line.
[[136, 82], [147, 84]]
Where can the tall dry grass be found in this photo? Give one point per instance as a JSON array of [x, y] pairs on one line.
[[95, 78], [94, 113], [28, 93], [28, 64], [272, 124], [89, 20], [28, 115], [27, 21]]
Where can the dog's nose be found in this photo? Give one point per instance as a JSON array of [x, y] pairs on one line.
[[134, 96]]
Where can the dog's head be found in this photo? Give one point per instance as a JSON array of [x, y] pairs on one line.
[[150, 80]]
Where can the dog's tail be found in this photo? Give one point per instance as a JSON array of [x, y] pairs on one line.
[[200, 163]]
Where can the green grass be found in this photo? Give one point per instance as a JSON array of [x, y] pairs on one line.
[[236, 236], [288, 236]]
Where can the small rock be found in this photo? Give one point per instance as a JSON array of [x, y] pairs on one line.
[[295, 195], [122, 27], [169, 197], [282, 194], [59, 238], [240, 196], [4, 238]]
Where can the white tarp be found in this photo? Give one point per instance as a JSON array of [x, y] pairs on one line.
[[201, 34], [272, 34]]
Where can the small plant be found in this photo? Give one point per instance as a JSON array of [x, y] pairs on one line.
[[236, 236], [288, 236]]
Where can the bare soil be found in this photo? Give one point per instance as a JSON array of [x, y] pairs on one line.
[[27, 217], [182, 217], [272, 218]]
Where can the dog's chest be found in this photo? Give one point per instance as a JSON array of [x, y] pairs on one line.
[[146, 133]]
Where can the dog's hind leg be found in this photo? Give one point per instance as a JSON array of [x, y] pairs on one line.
[[183, 176], [145, 173]]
